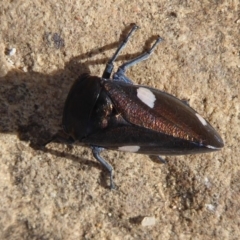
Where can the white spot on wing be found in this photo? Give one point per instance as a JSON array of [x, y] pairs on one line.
[[201, 119], [209, 146], [146, 96], [129, 148]]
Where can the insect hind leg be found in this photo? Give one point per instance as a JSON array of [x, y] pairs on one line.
[[120, 74]]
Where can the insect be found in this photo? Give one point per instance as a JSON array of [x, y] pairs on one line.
[[113, 113]]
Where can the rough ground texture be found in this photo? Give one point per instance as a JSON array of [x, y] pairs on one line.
[[62, 192]]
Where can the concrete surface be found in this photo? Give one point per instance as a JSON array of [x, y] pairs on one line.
[[62, 192]]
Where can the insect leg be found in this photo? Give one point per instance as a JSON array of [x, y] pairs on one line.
[[109, 67], [122, 69], [96, 153], [60, 137], [162, 160]]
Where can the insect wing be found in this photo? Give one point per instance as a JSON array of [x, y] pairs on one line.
[[163, 113]]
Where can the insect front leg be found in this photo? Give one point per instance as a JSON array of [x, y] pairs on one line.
[[60, 137]]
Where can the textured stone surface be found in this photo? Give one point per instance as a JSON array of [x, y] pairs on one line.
[[62, 193]]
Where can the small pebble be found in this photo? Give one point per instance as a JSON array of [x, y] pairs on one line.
[[12, 51], [148, 221]]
